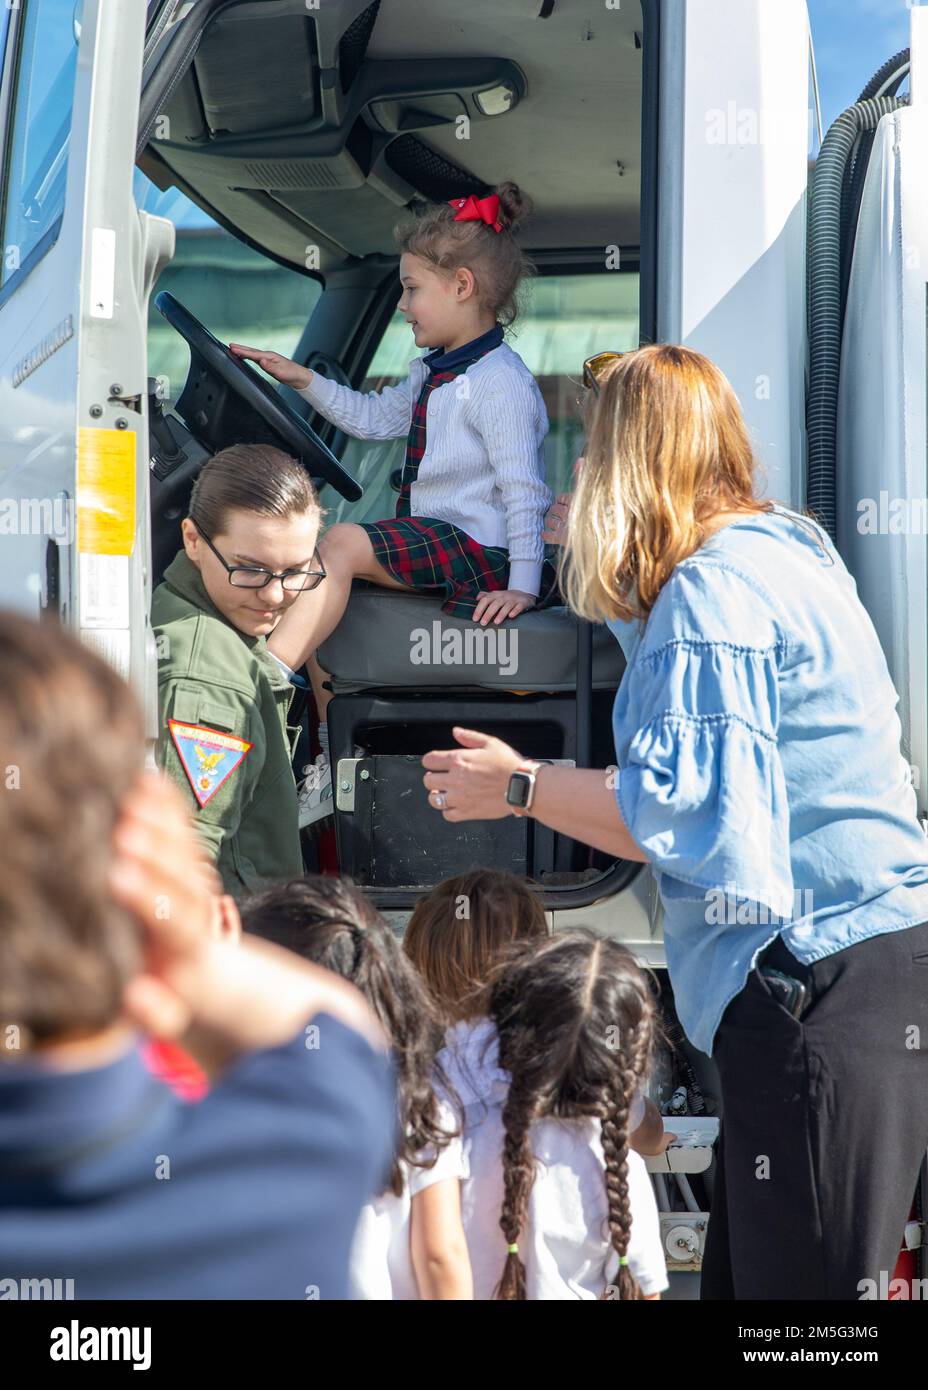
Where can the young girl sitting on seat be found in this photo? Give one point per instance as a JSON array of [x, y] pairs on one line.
[[470, 512]]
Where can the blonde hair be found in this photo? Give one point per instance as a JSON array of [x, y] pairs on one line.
[[667, 450]]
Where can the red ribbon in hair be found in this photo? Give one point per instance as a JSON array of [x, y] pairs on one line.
[[473, 209]]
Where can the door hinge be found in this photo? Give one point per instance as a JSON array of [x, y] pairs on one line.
[[116, 393]]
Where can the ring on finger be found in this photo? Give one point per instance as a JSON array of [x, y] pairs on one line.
[[438, 801]]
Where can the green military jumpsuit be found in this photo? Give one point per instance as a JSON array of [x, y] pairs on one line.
[[220, 691]]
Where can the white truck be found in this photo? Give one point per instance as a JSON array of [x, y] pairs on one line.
[[682, 193]]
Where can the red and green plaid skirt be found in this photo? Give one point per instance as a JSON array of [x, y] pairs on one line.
[[437, 557]]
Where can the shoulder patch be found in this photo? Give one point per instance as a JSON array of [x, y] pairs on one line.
[[208, 757]]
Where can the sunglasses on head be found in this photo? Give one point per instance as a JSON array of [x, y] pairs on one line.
[[594, 367]]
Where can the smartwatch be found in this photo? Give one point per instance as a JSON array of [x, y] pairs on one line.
[[520, 792]]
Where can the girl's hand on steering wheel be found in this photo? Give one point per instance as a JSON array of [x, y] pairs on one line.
[[280, 368], [500, 604]]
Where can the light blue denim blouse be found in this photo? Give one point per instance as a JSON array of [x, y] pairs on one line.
[[760, 767]]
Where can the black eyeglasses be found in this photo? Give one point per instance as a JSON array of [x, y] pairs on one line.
[[245, 577]]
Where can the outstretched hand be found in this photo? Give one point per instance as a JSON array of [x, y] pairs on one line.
[[279, 367], [470, 782]]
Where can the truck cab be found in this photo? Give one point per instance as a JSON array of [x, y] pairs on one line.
[[184, 173]]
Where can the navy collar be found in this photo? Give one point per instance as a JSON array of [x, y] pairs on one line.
[[441, 361]]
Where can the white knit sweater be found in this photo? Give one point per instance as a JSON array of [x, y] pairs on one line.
[[483, 467]]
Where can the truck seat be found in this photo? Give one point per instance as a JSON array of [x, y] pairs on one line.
[[396, 640]]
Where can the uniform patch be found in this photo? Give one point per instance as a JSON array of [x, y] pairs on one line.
[[209, 758]]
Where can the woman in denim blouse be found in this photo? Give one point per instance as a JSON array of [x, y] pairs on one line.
[[761, 777]]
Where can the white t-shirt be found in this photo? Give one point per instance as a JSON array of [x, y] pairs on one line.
[[565, 1244], [381, 1266]]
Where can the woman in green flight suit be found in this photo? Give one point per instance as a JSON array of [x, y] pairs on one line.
[[223, 699]]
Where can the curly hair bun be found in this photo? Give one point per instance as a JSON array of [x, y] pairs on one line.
[[497, 261], [514, 205]]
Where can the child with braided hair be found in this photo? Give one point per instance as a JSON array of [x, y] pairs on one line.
[[557, 1204]]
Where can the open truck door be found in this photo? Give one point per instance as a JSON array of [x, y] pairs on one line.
[[868, 463], [79, 260]]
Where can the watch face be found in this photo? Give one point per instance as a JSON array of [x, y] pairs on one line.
[[518, 789]]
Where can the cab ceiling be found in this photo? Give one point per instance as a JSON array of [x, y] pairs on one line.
[[249, 131]]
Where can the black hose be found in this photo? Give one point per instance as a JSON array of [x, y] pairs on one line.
[[884, 83], [895, 67], [825, 317]]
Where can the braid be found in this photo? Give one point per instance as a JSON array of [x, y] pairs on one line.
[[616, 1106], [518, 1177], [574, 1021]]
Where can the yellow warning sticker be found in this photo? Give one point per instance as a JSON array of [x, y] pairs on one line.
[[105, 491]]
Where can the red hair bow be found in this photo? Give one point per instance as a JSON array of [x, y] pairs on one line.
[[473, 209]]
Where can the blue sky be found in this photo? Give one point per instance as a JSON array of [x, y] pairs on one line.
[[852, 38]]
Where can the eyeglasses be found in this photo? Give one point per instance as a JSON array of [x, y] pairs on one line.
[[593, 368], [244, 577]]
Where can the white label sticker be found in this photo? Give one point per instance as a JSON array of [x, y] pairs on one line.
[[104, 590], [114, 647], [102, 272]]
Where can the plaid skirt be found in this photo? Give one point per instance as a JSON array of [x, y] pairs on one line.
[[437, 557]]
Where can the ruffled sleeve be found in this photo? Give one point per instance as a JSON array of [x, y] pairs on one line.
[[700, 783]]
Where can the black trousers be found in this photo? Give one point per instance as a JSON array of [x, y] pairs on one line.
[[824, 1124]]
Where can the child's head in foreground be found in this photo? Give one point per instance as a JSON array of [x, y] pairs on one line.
[[457, 932], [71, 745]]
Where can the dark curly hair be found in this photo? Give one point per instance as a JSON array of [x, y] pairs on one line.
[[574, 1018], [329, 921], [495, 259]]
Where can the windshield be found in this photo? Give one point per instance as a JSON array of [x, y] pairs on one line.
[[239, 294]]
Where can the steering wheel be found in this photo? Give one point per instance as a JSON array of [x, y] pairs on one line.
[[328, 366], [226, 402]]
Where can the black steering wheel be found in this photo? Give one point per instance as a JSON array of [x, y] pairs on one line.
[[226, 402]]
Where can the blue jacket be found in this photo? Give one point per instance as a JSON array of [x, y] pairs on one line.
[[759, 759], [107, 1179]]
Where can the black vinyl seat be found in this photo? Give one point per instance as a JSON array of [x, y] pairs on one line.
[[388, 639], [402, 672]]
